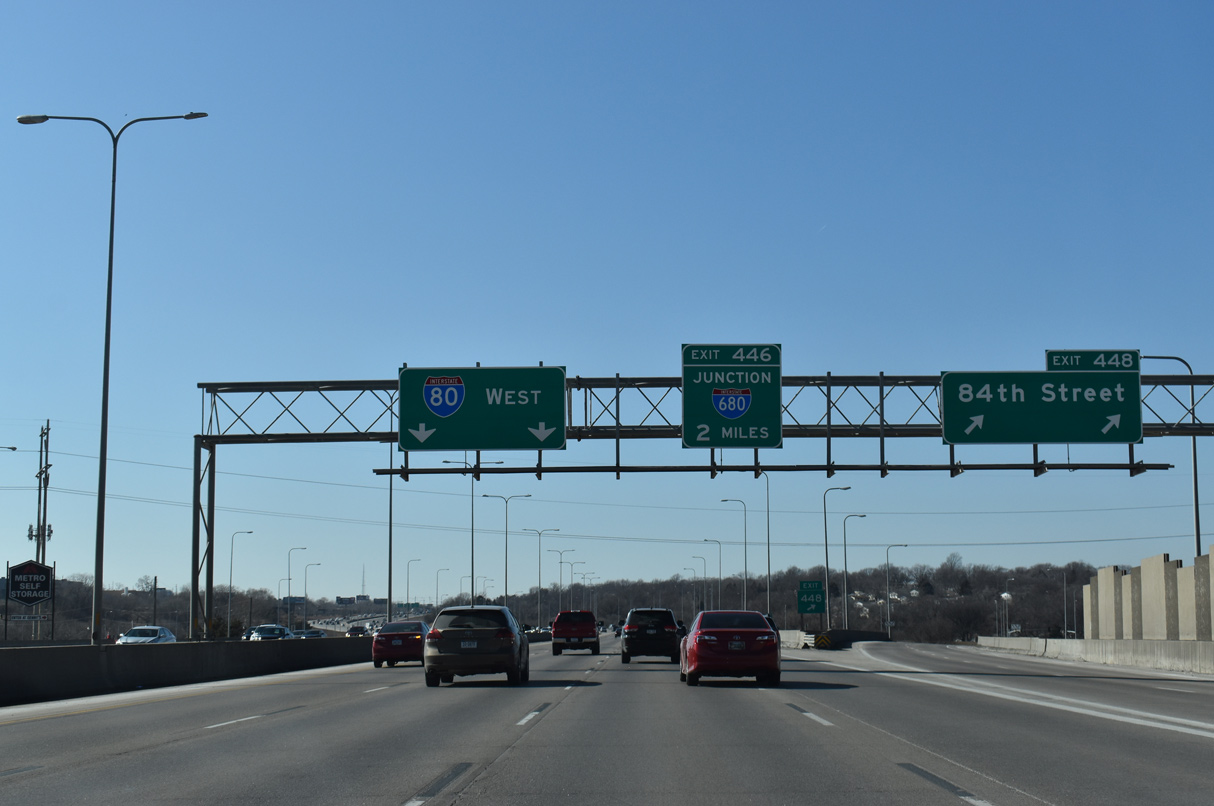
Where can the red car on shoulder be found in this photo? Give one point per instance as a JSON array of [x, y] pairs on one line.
[[730, 643], [399, 642], [575, 629]]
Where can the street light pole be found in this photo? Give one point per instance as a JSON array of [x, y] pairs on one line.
[[305, 619], [506, 552], [571, 564], [408, 594], [889, 631], [560, 575], [767, 478], [1007, 608], [826, 549], [704, 576], [1193, 418], [472, 519], [693, 585], [745, 548], [231, 556], [297, 548], [99, 550], [436, 573], [539, 569], [719, 577], [845, 600]]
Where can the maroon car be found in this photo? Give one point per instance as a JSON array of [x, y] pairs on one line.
[[730, 643], [398, 642]]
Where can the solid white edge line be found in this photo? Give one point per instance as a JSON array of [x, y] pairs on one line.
[[381, 688], [233, 722], [818, 719]]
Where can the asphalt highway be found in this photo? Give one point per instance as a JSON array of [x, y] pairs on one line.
[[876, 724]]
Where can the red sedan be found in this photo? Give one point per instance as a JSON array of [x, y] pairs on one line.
[[398, 642], [730, 643]]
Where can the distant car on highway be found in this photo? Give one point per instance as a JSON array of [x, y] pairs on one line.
[[357, 631], [476, 640], [650, 631], [398, 642], [730, 643], [269, 632], [147, 634], [309, 633], [575, 629]]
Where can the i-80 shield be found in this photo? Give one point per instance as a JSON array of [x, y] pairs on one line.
[[443, 394]]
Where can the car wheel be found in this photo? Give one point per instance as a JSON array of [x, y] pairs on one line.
[[526, 675], [431, 679], [674, 658], [448, 678], [682, 677], [693, 679], [514, 676], [625, 657], [556, 650], [594, 650], [378, 663], [391, 663]]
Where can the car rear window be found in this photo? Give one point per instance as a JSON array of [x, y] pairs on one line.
[[402, 626], [470, 620], [575, 618], [733, 621], [652, 618]]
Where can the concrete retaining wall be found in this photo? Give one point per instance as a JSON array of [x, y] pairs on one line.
[[37, 674], [1173, 656]]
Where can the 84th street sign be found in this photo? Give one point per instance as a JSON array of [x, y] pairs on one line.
[[482, 409], [1041, 407]]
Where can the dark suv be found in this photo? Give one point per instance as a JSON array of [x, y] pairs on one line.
[[650, 631], [475, 640], [575, 629]]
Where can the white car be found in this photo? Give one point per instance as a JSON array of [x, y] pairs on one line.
[[147, 635]]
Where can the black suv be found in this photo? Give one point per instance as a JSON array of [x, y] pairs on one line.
[[650, 631]]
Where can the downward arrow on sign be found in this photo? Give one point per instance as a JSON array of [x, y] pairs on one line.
[[541, 433], [421, 432]]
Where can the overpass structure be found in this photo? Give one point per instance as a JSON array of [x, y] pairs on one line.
[[874, 408]]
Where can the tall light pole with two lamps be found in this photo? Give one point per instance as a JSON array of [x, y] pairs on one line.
[[99, 547], [472, 520], [297, 548], [436, 573], [539, 569], [889, 625], [408, 593], [560, 578], [719, 576], [506, 553], [305, 617]]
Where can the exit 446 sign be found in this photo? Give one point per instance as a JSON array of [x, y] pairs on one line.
[[482, 409], [732, 396], [1041, 407]]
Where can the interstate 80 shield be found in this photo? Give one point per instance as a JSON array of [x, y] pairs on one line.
[[443, 394]]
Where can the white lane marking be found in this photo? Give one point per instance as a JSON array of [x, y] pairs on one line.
[[1115, 713], [233, 722], [381, 688], [818, 719], [528, 718], [415, 802], [568, 687], [1181, 690], [976, 801]]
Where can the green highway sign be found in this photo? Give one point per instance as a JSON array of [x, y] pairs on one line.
[[810, 598], [732, 396], [1093, 360], [1041, 407], [482, 409]]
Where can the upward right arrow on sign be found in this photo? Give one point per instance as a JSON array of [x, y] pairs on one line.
[[1040, 407]]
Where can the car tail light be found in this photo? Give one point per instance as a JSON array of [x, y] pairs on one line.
[[671, 629], [765, 638], [631, 628], [706, 639], [504, 633], [434, 635]]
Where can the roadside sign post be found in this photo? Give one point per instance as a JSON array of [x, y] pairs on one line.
[[482, 409], [732, 396], [1064, 406]]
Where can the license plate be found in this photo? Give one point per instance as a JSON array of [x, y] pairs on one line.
[[651, 632], [395, 642], [737, 645], [574, 640], [467, 644]]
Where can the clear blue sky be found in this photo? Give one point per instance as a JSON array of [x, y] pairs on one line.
[[906, 188]]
